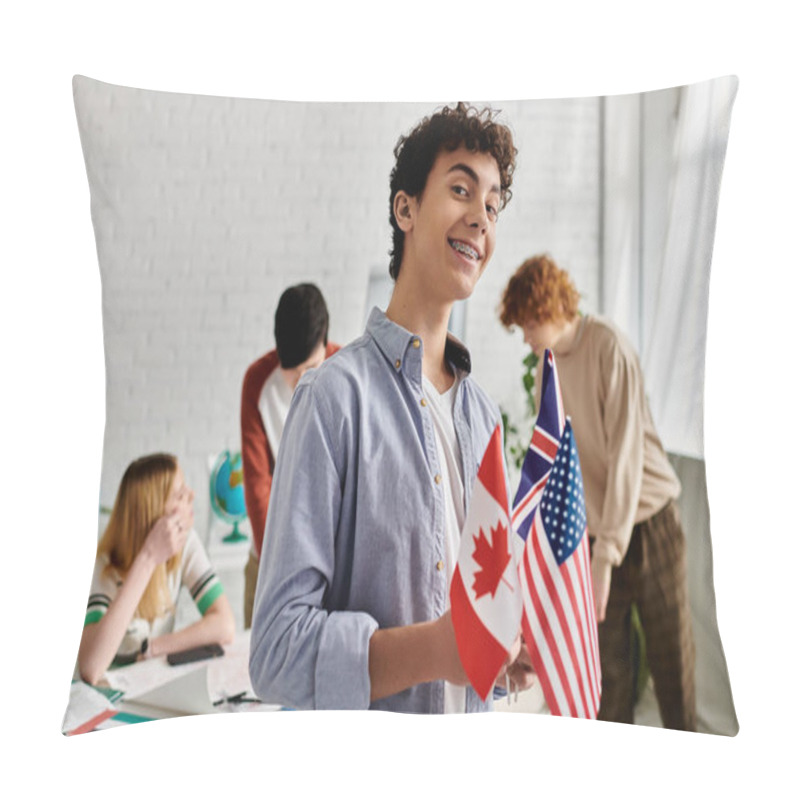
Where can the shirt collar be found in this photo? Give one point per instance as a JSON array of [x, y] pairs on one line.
[[397, 344]]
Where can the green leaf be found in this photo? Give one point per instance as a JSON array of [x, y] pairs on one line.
[[514, 448]]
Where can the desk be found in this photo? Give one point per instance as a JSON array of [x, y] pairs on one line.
[[154, 689]]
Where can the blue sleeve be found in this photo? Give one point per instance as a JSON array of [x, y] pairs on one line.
[[302, 655]]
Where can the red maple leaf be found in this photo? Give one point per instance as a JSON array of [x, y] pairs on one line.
[[493, 559]]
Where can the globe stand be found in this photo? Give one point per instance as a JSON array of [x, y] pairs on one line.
[[226, 492], [235, 535]]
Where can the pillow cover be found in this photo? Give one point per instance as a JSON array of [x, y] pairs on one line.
[[206, 208]]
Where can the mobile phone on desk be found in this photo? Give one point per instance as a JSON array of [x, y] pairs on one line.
[[195, 654]]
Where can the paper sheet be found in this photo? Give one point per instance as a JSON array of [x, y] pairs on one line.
[[186, 693], [144, 676], [230, 674], [191, 688], [85, 703]]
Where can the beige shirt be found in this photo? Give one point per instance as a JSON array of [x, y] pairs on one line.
[[626, 474]]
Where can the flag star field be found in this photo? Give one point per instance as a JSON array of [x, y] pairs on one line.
[[563, 505]]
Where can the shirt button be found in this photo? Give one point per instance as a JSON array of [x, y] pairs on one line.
[[415, 342], [438, 478], [423, 402], [397, 364], [440, 565]]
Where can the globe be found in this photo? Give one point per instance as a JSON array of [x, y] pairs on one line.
[[226, 487]]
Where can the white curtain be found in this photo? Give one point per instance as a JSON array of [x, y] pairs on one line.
[[673, 331], [662, 161]]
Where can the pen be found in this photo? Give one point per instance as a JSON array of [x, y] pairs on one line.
[[237, 698]]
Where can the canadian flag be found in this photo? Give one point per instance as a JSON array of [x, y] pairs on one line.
[[485, 597]]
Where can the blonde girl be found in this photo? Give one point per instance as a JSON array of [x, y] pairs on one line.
[[148, 551]]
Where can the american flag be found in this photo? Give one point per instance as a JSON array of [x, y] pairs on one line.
[[549, 515]]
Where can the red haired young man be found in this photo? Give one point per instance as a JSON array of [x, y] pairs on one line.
[[638, 546]]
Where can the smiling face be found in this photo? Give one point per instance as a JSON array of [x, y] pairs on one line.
[[450, 228]]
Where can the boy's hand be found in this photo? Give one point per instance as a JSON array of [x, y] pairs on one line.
[[519, 668], [601, 583]]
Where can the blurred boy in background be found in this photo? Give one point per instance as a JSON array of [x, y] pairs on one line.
[[638, 545]]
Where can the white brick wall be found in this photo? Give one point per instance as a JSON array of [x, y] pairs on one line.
[[555, 208], [206, 209]]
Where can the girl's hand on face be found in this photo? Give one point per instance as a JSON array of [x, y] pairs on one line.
[[167, 537], [182, 504]]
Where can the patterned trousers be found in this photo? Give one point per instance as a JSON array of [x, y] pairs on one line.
[[652, 575]]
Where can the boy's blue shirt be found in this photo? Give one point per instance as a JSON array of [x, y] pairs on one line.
[[354, 537]]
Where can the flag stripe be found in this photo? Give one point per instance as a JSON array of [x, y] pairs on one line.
[[557, 388], [588, 675], [549, 645], [541, 669], [529, 502], [591, 621], [481, 654], [541, 657], [590, 615], [563, 628], [574, 634], [491, 474], [545, 444], [575, 591], [576, 588]]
